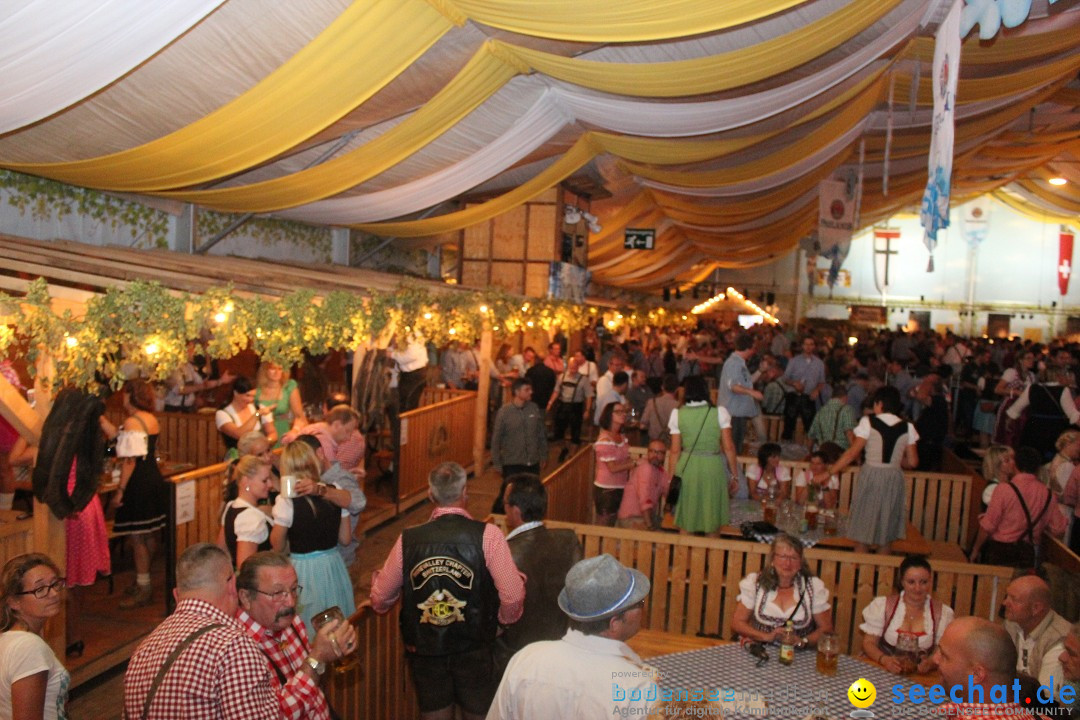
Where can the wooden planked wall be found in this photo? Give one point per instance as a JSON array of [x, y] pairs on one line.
[[431, 435]]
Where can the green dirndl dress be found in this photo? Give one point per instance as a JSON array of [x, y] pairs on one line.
[[703, 499]]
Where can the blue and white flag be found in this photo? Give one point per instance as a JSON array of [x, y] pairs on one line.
[[935, 202]]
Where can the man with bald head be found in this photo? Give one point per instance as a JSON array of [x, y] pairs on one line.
[[1070, 668], [1037, 631], [973, 656]]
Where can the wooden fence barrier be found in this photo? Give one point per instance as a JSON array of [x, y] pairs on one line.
[[430, 435], [185, 437], [569, 487], [195, 503], [938, 504]]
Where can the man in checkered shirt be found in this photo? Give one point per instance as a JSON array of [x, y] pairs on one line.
[[222, 673], [268, 591]]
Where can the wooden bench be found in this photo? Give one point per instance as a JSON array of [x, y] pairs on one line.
[[695, 582]]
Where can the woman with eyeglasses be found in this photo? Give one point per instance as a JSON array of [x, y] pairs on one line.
[[247, 528], [313, 522], [784, 591], [33, 683]]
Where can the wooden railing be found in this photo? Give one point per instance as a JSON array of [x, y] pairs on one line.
[[695, 582], [431, 435], [569, 487], [185, 437], [433, 394], [938, 504], [195, 503]]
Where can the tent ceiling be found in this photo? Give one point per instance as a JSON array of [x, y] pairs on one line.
[[712, 122]]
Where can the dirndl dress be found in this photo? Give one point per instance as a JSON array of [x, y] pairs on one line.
[[877, 509], [703, 498]]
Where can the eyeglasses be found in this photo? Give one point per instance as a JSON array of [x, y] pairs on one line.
[[43, 591], [282, 595]]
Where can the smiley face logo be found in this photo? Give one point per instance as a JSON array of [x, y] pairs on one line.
[[862, 693]]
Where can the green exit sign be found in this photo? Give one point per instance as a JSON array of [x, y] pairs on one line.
[[639, 238]]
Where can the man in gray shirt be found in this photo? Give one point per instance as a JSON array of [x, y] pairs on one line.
[[805, 375], [518, 437], [736, 392]]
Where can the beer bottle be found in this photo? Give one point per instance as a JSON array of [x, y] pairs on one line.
[[788, 640]]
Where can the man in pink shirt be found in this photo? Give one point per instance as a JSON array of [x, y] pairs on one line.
[[1007, 534], [457, 583], [641, 507], [340, 438]]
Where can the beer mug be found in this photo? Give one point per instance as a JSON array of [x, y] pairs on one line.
[[828, 651], [349, 659], [288, 485]]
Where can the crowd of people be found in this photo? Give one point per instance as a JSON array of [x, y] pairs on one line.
[[493, 624]]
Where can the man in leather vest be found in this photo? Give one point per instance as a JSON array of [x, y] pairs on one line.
[[544, 556], [457, 583], [1037, 631]]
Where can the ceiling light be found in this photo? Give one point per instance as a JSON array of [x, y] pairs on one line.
[[1057, 181]]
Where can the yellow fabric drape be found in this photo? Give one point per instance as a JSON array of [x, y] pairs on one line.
[[481, 77], [1004, 49], [1062, 197], [845, 120], [300, 98], [616, 20], [970, 90], [718, 72]]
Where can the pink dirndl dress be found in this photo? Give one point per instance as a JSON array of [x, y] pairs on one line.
[[87, 541]]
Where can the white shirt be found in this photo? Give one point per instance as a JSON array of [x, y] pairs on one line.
[[754, 473], [23, 654], [1051, 665], [251, 525], [748, 597], [723, 417], [578, 676], [1068, 405], [413, 357], [524, 527], [803, 477], [874, 620]]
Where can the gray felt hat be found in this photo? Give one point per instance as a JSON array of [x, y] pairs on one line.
[[601, 587]]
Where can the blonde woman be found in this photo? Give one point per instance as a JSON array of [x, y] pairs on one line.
[[999, 466], [281, 396], [313, 522], [33, 683], [247, 528], [1055, 474]]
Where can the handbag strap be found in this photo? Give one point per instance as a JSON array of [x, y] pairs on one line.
[[177, 651], [705, 420]]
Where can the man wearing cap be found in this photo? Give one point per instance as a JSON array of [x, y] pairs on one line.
[[591, 672], [457, 582]]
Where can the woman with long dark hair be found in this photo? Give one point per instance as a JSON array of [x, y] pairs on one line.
[[700, 440]]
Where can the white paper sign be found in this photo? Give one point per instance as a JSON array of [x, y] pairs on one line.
[[404, 432], [185, 502]]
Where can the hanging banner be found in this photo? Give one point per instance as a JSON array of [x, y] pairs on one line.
[[934, 215], [836, 213], [886, 244], [1065, 254], [977, 220]]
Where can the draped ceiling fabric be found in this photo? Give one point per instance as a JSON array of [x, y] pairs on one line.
[[712, 122]]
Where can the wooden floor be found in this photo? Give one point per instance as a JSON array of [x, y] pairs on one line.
[[110, 633]]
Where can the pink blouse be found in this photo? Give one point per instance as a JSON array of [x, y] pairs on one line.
[[608, 451]]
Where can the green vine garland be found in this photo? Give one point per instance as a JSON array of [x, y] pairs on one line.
[[42, 198], [148, 326]]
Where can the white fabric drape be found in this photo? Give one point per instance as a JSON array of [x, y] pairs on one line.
[[767, 182], [532, 130], [54, 53]]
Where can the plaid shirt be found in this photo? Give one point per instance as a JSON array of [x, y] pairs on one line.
[[300, 697], [386, 583], [222, 675]]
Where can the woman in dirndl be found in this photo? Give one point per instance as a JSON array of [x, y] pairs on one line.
[[877, 510]]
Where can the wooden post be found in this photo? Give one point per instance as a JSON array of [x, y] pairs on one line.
[[483, 388], [50, 535]]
